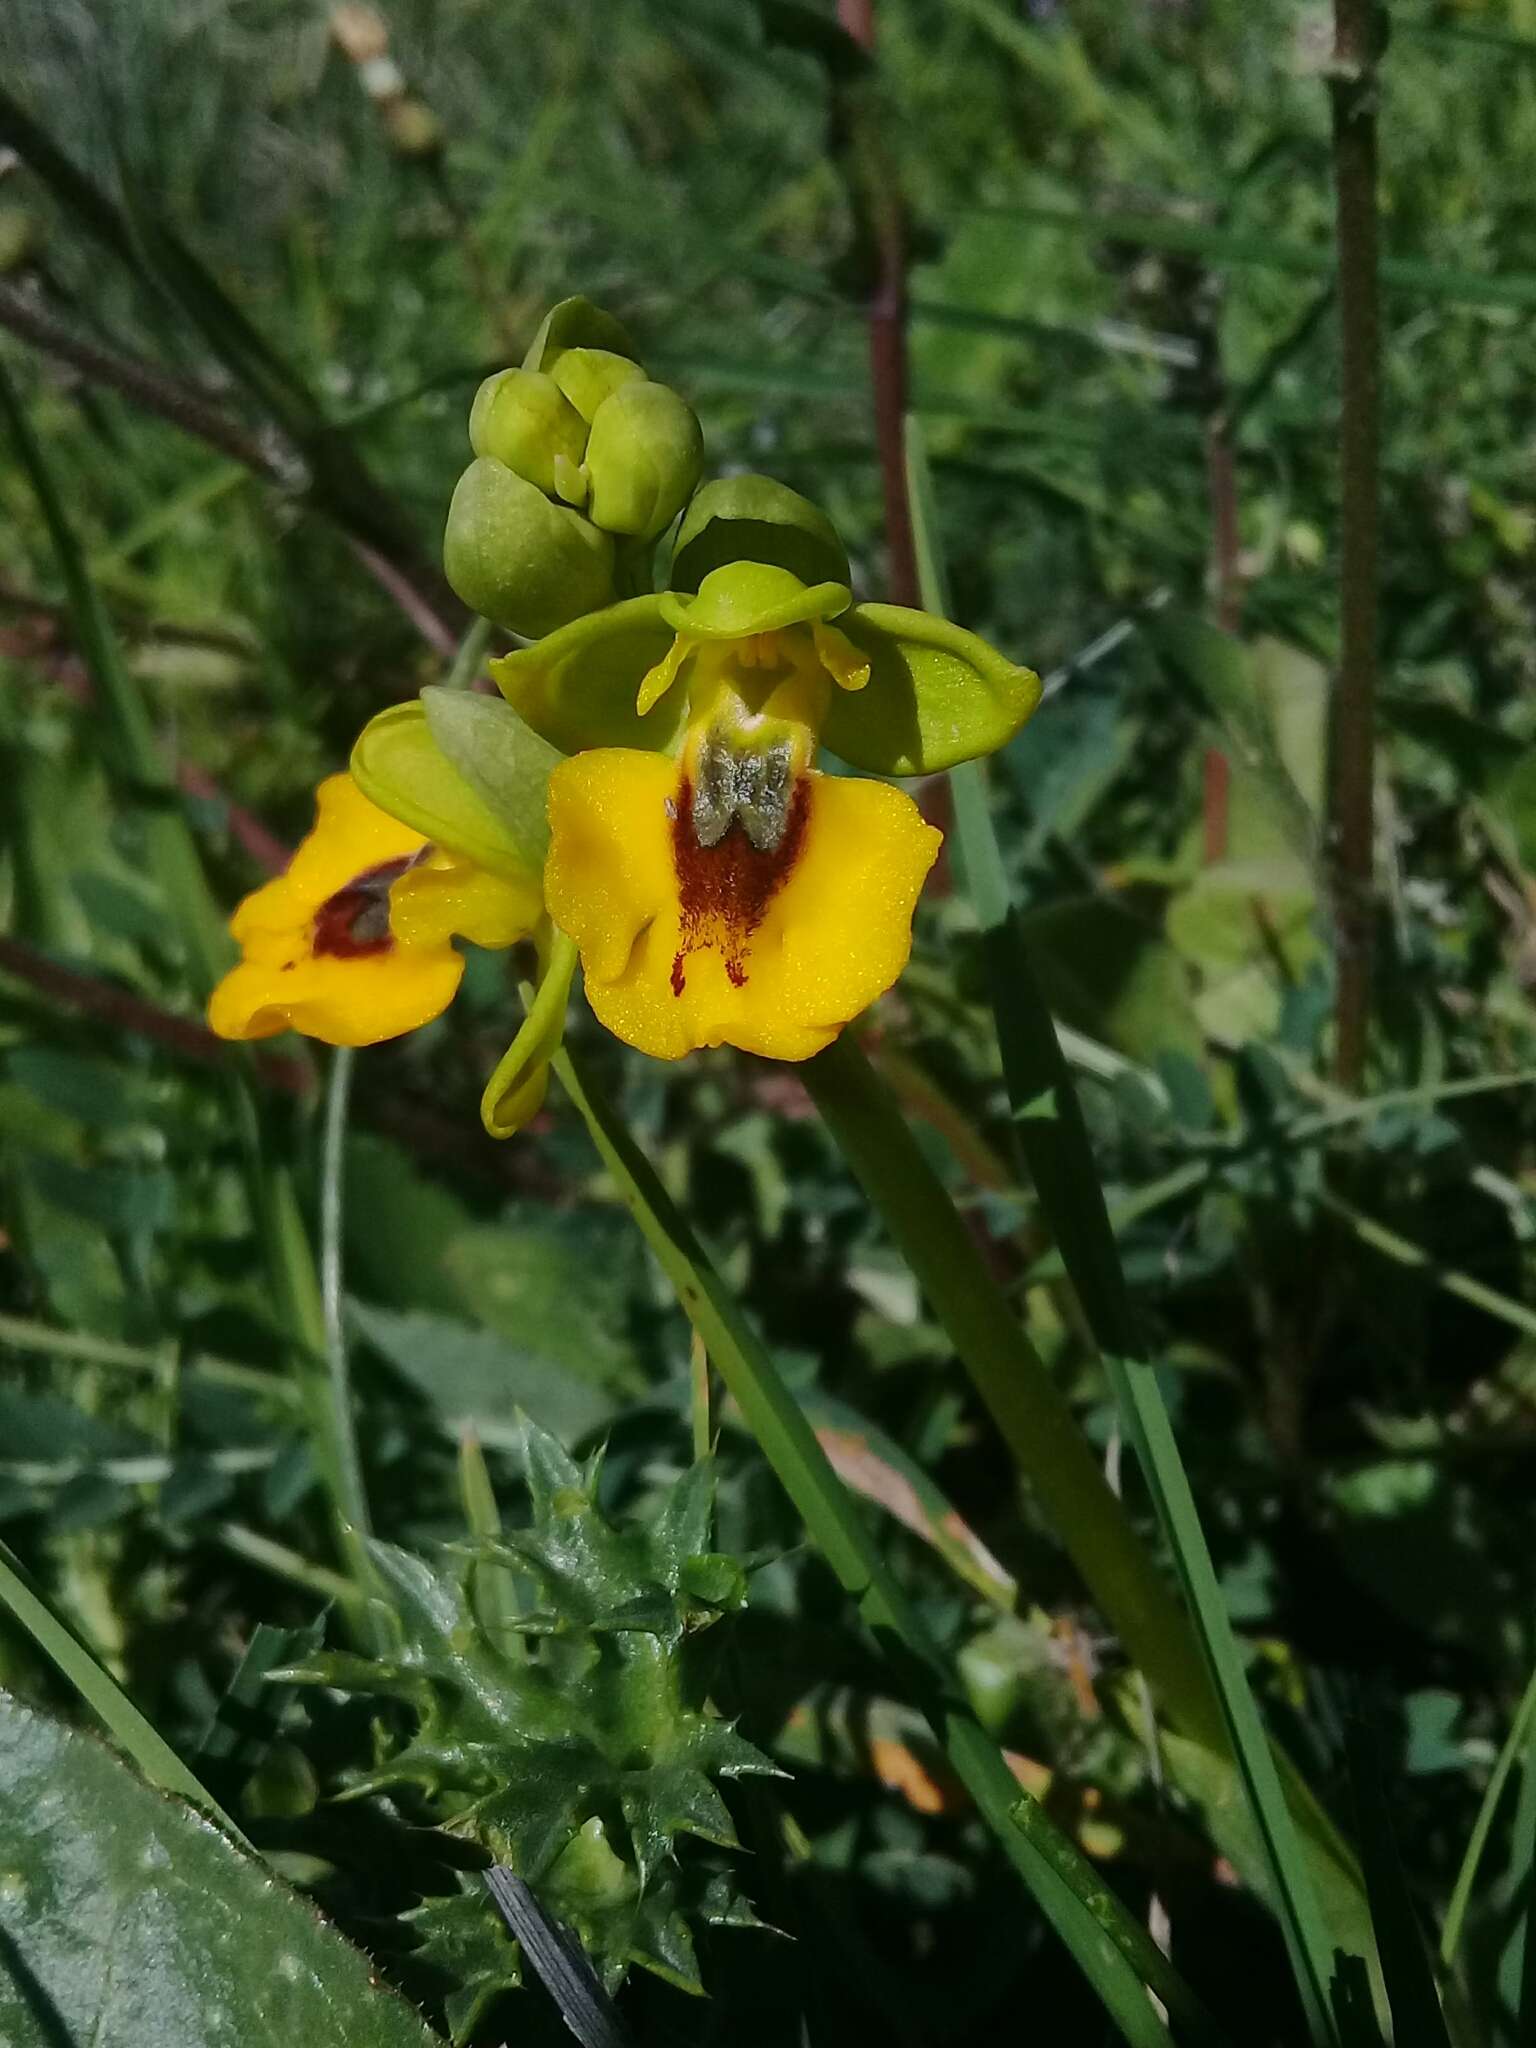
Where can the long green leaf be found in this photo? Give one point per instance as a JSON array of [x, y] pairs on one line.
[[1031, 1413], [1112, 1949], [1225, 246], [1060, 1161], [1417, 2021], [101, 1692], [1466, 1877]]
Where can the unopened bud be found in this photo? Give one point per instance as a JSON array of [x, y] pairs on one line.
[[644, 455], [515, 557], [587, 376], [521, 418]]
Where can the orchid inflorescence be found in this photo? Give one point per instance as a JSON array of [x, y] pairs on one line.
[[646, 798]]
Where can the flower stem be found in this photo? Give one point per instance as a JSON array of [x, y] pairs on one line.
[[1031, 1413], [351, 1495], [1110, 1946]]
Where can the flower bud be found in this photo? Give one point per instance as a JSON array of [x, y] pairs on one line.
[[515, 557], [522, 418], [587, 376], [644, 455]]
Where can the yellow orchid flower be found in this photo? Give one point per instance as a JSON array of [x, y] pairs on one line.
[[353, 944], [720, 890], [732, 895]]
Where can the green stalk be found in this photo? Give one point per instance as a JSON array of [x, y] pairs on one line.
[[351, 1495], [1461, 1893], [1112, 1948], [83, 1348], [1053, 1138], [465, 666], [1031, 1413]]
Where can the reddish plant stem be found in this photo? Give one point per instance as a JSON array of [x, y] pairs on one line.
[[1221, 483], [124, 1011], [419, 1128], [1352, 777], [263, 848], [195, 412], [887, 317]]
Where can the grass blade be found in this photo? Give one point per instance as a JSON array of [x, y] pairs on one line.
[[1417, 2021], [1113, 1950], [102, 1694], [1517, 1968], [1231, 248], [1060, 1161], [1477, 1842]]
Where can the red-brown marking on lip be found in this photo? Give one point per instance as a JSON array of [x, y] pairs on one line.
[[725, 889], [354, 923]]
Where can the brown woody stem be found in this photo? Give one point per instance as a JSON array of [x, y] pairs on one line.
[[1352, 776]]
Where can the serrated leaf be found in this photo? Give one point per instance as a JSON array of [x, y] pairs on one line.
[[551, 1472], [127, 1919], [680, 1529], [667, 1800], [467, 1940]]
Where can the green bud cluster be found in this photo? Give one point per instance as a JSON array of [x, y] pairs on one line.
[[580, 461], [558, 1724]]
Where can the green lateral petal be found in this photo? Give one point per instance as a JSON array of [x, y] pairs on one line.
[[756, 519], [399, 766], [936, 695], [503, 760], [576, 323], [578, 687], [751, 597], [515, 1092]]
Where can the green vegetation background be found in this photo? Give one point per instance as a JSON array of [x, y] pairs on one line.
[[1121, 220]]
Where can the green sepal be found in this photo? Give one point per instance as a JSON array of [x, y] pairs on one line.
[[515, 1092], [506, 763], [756, 519], [576, 323], [644, 455], [936, 695], [519, 559], [751, 597], [577, 688], [399, 765]]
